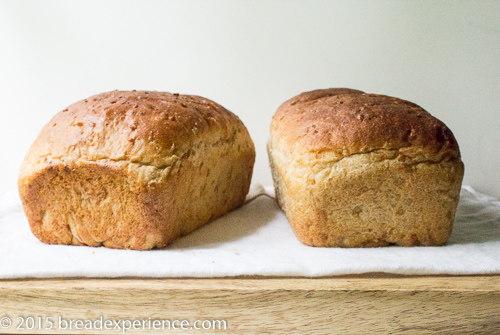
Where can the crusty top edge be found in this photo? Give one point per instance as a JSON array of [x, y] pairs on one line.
[[144, 127], [348, 122]]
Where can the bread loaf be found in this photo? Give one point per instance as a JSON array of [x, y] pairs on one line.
[[134, 170], [362, 170]]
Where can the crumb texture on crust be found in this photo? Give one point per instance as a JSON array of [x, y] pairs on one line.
[[360, 170], [135, 170]]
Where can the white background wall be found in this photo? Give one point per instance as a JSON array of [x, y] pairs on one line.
[[250, 56]]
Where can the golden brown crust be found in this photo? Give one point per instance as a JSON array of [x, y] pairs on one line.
[[360, 170], [144, 127], [116, 169], [349, 122]]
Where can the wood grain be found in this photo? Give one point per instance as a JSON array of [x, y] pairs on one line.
[[374, 303]]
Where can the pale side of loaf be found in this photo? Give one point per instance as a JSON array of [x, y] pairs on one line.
[[135, 170], [361, 170]]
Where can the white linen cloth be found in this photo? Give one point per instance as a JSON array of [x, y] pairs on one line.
[[254, 240]]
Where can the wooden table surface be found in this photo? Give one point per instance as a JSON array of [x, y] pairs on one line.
[[362, 304]]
